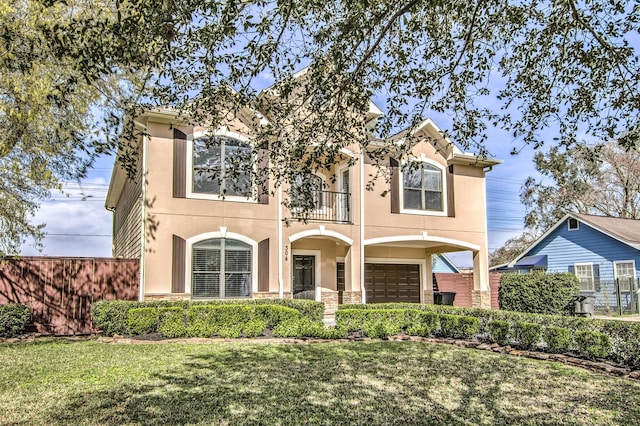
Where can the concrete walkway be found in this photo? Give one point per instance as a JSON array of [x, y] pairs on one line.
[[634, 318]]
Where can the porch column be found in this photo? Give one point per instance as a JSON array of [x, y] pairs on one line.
[[481, 294], [352, 293], [427, 285]]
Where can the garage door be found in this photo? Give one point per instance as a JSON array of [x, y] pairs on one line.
[[392, 283]]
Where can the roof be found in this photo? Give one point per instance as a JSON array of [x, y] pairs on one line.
[[627, 231]]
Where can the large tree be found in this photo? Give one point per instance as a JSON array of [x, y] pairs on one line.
[[602, 179], [521, 65]]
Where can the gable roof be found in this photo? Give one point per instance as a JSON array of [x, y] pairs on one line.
[[627, 231], [448, 262]]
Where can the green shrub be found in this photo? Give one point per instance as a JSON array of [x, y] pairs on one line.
[[217, 320], [289, 328], [449, 325], [468, 327], [423, 324], [592, 344], [112, 316], [171, 322], [498, 332], [274, 314], [351, 319], [527, 334], [254, 328], [558, 339], [142, 321], [538, 292], [13, 319]]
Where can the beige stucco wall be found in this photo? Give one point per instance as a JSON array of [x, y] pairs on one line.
[[188, 218]]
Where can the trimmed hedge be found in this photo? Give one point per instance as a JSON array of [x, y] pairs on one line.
[[527, 334], [592, 344], [623, 335], [112, 316], [304, 327], [13, 319], [143, 320], [498, 332], [558, 339], [538, 292]]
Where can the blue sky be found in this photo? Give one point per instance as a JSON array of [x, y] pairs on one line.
[[79, 225]]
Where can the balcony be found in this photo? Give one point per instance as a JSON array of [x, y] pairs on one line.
[[325, 206]]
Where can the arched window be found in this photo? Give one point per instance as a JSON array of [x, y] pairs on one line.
[[422, 188], [307, 192], [222, 166], [221, 268]]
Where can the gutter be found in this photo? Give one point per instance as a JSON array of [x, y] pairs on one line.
[[143, 208], [363, 293]]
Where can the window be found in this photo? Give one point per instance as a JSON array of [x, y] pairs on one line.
[[222, 166], [625, 273], [221, 268], [573, 224], [307, 192], [423, 188], [584, 272]]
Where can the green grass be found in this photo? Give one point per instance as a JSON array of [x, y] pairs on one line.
[[338, 383]]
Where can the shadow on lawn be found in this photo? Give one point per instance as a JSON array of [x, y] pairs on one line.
[[374, 383]]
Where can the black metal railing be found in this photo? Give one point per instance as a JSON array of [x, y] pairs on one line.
[[324, 206]]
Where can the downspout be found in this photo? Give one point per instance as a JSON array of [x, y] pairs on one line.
[[280, 281], [362, 290], [143, 208]]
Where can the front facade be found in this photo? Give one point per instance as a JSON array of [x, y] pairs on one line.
[[603, 252], [358, 246]]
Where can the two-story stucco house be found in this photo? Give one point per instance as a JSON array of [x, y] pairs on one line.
[[359, 247]]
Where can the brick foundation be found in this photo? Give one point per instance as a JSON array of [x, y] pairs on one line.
[[351, 297], [481, 299]]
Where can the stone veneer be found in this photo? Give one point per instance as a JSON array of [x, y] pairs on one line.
[[330, 300], [481, 299], [351, 297], [272, 295], [172, 297], [428, 297]]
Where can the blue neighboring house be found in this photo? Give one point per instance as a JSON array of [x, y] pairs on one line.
[[443, 264], [599, 250]]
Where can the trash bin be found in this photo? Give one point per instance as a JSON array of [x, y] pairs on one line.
[[443, 297], [437, 298], [583, 306]]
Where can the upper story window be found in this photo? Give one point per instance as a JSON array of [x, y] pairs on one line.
[[423, 188], [307, 192], [573, 224], [222, 166]]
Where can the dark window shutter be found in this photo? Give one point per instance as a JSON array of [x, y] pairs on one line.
[[263, 186], [263, 265], [395, 185], [179, 164], [572, 269], [451, 200], [178, 266], [596, 277]]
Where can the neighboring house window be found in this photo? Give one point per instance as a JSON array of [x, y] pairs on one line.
[[584, 272], [222, 166], [221, 268], [574, 225], [625, 273], [422, 188]]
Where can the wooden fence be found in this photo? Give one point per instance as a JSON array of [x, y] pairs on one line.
[[60, 290], [462, 285]]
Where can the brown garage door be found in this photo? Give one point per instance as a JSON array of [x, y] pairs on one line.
[[392, 283]]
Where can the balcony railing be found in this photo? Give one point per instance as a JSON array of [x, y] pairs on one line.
[[327, 206]]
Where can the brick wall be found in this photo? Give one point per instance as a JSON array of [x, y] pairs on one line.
[[462, 285]]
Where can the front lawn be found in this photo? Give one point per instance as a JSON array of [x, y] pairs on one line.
[[335, 383]]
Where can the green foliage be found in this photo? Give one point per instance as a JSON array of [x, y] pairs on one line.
[[538, 292], [379, 322], [254, 328], [498, 332], [112, 316], [218, 320], [558, 339], [593, 344], [527, 334], [424, 324], [459, 326], [143, 321], [172, 322], [13, 319]]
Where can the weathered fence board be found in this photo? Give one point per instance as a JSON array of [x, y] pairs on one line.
[[60, 290]]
